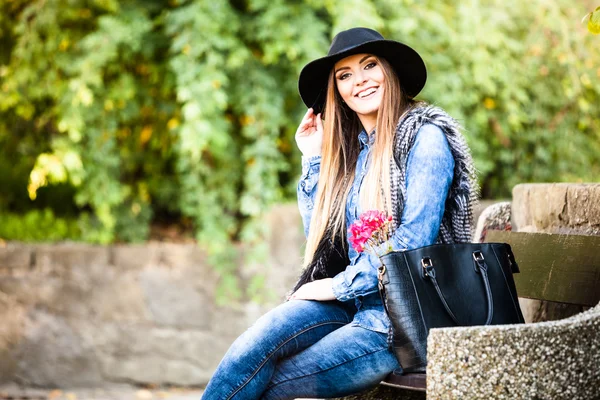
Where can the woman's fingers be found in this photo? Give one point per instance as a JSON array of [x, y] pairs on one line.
[[307, 122], [307, 117], [319, 123]]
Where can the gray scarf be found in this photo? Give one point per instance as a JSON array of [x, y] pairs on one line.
[[456, 227], [457, 222]]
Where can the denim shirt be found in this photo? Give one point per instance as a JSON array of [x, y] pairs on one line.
[[429, 171]]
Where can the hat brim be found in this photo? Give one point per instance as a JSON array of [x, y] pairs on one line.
[[407, 63]]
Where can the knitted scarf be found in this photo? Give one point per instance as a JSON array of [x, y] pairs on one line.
[[457, 222]]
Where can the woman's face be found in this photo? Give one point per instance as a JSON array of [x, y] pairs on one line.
[[359, 79]]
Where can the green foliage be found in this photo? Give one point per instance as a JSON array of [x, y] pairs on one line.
[[187, 109], [38, 226]]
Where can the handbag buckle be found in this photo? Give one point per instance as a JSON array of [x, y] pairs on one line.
[[479, 260], [427, 265], [381, 272]]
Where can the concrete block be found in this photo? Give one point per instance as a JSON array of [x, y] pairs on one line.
[[557, 208], [178, 372], [583, 207], [148, 368], [180, 256], [121, 299], [540, 206], [50, 354], [173, 300], [134, 257], [15, 259], [61, 259], [545, 360]]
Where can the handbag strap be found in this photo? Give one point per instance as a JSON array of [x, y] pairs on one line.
[[480, 267]]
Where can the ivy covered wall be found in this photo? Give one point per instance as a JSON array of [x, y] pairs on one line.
[[119, 113]]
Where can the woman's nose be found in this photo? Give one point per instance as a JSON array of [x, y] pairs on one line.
[[360, 78]]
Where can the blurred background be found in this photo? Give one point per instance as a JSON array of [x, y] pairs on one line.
[[151, 142], [123, 121]]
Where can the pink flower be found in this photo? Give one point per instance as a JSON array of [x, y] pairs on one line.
[[371, 229]]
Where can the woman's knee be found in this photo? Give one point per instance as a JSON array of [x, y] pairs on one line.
[[288, 329], [296, 315]]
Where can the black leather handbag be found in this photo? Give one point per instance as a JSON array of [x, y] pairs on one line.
[[446, 285]]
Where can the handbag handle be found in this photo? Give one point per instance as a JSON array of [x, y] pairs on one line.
[[480, 267]]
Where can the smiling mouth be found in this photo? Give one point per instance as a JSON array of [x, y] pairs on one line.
[[366, 93]]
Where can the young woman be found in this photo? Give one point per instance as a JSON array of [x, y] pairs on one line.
[[375, 149]]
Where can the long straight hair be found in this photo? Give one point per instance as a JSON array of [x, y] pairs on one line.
[[339, 154]]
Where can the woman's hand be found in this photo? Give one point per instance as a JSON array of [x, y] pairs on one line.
[[309, 136], [316, 290]]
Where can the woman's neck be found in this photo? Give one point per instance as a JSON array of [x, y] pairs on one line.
[[368, 122]]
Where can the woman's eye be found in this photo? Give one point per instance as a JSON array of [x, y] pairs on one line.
[[343, 76], [370, 65]]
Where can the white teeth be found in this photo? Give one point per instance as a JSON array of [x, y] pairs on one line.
[[366, 92]]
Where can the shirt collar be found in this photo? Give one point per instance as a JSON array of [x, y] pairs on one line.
[[364, 139]]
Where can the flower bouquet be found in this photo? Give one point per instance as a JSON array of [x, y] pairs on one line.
[[370, 231]]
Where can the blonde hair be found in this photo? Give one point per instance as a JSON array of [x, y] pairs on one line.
[[339, 154]]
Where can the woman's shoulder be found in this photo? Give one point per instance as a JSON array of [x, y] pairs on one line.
[[430, 135], [430, 112]]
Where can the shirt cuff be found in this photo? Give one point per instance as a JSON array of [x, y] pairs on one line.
[[310, 163], [357, 280], [341, 290]]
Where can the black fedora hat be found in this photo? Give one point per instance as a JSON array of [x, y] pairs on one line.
[[407, 63]]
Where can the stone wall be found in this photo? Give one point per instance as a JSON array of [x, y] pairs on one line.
[[568, 208], [82, 315]]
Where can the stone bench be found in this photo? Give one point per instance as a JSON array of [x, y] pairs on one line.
[[551, 359]]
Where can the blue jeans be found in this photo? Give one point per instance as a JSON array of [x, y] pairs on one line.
[[302, 348]]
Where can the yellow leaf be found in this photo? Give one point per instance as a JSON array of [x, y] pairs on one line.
[[246, 120], [47, 167], [173, 123], [594, 22], [562, 58], [186, 49], [64, 44], [145, 135], [489, 103], [109, 105]]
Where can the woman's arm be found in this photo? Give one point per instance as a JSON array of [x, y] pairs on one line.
[[307, 188], [309, 138], [429, 172]]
